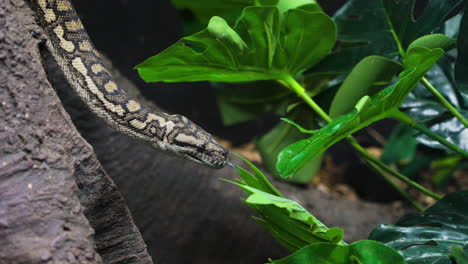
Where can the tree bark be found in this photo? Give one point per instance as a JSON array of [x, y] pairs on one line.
[[57, 203]]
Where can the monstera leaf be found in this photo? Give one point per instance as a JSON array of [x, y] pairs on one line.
[[259, 47], [461, 66], [384, 28], [363, 252], [230, 10], [432, 236]]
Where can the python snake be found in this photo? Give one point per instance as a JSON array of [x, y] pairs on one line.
[[83, 68]]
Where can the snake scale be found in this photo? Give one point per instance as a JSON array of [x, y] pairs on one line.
[[82, 66]]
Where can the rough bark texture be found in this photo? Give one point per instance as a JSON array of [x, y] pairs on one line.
[[57, 204], [54, 192]]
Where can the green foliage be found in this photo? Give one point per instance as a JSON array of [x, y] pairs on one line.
[[362, 31], [262, 54], [368, 110], [460, 255], [444, 168], [240, 102], [259, 47], [290, 224], [300, 232], [425, 109], [400, 16], [266, 44], [461, 65], [368, 77], [283, 134], [434, 41], [401, 146], [230, 10], [266, 55], [364, 252], [431, 236]]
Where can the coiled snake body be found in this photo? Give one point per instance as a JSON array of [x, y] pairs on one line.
[[83, 68]]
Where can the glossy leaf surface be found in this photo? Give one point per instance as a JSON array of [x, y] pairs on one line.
[[362, 252], [430, 236]]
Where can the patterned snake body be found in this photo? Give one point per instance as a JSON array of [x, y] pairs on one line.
[[83, 68]]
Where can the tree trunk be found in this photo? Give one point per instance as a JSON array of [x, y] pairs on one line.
[[58, 204]]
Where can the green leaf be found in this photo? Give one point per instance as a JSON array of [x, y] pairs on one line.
[[362, 31], [401, 146], [283, 134], [291, 219], [307, 39], [434, 41], [290, 224], [461, 65], [260, 178], [429, 237], [444, 169], [400, 15], [240, 102], [418, 61], [427, 110], [365, 28], [363, 252], [368, 77], [297, 126], [232, 9], [259, 47], [460, 254]]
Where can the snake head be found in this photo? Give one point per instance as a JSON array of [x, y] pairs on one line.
[[190, 141]]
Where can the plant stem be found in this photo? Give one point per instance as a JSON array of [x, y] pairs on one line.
[[291, 83], [386, 168], [444, 101], [300, 91], [413, 124], [397, 188]]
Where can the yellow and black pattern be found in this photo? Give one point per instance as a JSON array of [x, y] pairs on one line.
[[82, 66]]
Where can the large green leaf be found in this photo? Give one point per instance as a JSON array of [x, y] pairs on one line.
[[401, 146], [368, 77], [407, 29], [230, 10], [240, 102], [362, 252], [429, 237], [283, 134], [259, 47], [368, 110], [425, 109], [362, 31], [290, 224], [365, 28], [433, 41], [461, 66]]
